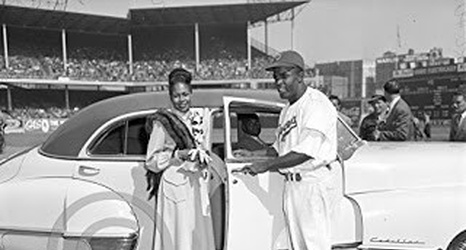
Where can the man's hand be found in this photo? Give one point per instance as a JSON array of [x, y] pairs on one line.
[[253, 169], [242, 153], [376, 134]]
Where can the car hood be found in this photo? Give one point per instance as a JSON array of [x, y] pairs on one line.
[[381, 166], [71, 207]]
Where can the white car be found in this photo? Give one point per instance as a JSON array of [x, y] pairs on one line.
[[85, 187]]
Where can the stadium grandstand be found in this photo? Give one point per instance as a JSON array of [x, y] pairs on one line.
[[60, 59]]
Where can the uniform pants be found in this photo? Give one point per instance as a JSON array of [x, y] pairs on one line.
[[308, 206]]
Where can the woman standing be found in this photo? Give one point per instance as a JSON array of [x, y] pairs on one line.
[[177, 174]]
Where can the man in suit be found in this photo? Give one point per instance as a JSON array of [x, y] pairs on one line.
[[249, 131], [399, 123], [458, 121]]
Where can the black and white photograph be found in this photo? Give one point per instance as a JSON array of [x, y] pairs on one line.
[[232, 124]]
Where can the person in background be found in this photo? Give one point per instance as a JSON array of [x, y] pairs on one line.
[[399, 125], [306, 145], [337, 103], [177, 173], [375, 119], [458, 120], [249, 131], [418, 125], [427, 126]]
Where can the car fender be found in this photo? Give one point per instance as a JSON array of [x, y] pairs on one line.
[[70, 207], [423, 217], [93, 210], [347, 223], [42, 201]]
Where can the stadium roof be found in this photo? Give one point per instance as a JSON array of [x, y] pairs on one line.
[[178, 15], [52, 19], [210, 14]]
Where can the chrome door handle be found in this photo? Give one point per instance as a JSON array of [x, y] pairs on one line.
[[88, 171]]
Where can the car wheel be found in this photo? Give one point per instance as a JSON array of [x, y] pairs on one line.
[[458, 243]]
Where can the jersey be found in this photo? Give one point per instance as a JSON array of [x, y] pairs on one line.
[[308, 126]]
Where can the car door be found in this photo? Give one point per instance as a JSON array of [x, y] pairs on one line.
[[254, 207], [114, 157]]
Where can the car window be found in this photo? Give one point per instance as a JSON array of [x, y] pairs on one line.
[[217, 133], [127, 137], [253, 130], [252, 127], [137, 138], [110, 142]]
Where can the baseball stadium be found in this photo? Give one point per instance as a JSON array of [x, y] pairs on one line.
[[55, 61]]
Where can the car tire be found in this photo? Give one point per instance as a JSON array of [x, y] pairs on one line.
[[458, 243]]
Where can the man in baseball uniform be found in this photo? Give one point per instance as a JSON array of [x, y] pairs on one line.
[[306, 144]]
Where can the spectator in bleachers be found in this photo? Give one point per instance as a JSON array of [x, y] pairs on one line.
[[42, 59]]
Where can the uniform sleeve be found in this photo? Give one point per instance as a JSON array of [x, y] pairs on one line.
[[159, 149], [314, 132]]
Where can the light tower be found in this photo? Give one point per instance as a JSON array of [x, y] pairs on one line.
[[460, 12]]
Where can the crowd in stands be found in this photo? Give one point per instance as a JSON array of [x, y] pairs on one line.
[[39, 61], [23, 114]]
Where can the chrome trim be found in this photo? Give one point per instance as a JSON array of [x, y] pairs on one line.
[[347, 245], [128, 237], [391, 247], [36, 232]]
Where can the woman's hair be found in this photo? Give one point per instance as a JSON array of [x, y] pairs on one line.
[[179, 75]]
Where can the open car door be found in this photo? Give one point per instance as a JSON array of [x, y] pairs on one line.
[[254, 216]]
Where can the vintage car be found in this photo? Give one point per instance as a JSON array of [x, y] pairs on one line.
[[85, 187]]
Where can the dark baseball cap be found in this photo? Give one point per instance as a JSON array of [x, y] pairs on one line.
[[289, 58], [375, 98]]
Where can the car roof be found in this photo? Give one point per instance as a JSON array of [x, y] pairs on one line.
[[69, 138]]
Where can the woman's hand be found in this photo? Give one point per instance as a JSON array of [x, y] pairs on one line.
[[183, 154], [202, 156]]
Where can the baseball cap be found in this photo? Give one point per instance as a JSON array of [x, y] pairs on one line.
[[289, 58], [375, 98]]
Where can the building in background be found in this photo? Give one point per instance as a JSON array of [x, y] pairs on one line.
[[402, 65], [331, 85], [353, 70], [428, 81], [368, 78], [384, 67]]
